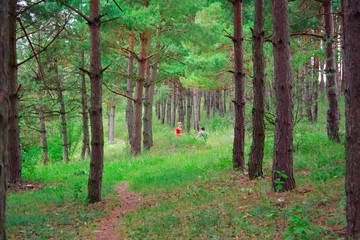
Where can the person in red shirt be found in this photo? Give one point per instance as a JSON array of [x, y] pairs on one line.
[[178, 130]]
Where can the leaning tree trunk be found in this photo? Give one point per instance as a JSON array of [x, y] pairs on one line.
[[130, 90], [65, 144], [4, 113], [258, 135], [111, 123], [96, 116], [195, 114], [85, 150], [333, 113], [352, 111], [14, 129], [188, 115], [239, 130], [283, 140]]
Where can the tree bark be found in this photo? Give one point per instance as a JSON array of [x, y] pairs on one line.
[[308, 92], [180, 107], [352, 112], [213, 103], [168, 111], [207, 103], [199, 105], [173, 115], [316, 87], [322, 82], [333, 113], [188, 115], [239, 130], [4, 112], [258, 135], [195, 115], [111, 123], [225, 101], [85, 150], [130, 91], [283, 140], [163, 110], [221, 105], [300, 93], [65, 144], [96, 116], [231, 107], [14, 129]]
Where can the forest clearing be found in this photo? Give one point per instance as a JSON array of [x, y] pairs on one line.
[[210, 119]]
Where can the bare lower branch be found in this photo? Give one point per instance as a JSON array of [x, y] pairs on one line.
[[28, 7], [119, 93], [84, 70], [132, 53], [75, 10], [35, 31]]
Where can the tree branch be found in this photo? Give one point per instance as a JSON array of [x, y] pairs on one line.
[[28, 7], [119, 93], [131, 52], [121, 67], [307, 34], [76, 11], [84, 70], [35, 31]]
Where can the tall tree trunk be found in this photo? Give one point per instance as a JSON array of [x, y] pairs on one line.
[[342, 9], [239, 130], [221, 105], [231, 107], [283, 141], [322, 81], [188, 115], [84, 110], [213, 103], [4, 112], [225, 101], [199, 105], [111, 123], [173, 115], [65, 144], [301, 92], [205, 99], [158, 104], [180, 107], [208, 106], [136, 147], [96, 116], [258, 135], [163, 110], [333, 113], [308, 92], [316, 87], [352, 112], [217, 98], [168, 111], [195, 115], [14, 129], [130, 91]]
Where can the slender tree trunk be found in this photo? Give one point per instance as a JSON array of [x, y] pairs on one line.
[[208, 106], [213, 103], [217, 98], [199, 105], [188, 115], [163, 110], [322, 81], [308, 92], [283, 141], [180, 107], [316, 87], [205, 99], [352, 112], [136, 147], [225, 101], [130, 91], [196, 116], [342, 9], [333, 113], [300, 92], [111, 123], [65, 144], [96, 116], [158, 102], [84, 110], [239, 130], [4, 112], [173, 115], [168, 111], [258, 135], [221, 105], [231, 107], [14, 129]]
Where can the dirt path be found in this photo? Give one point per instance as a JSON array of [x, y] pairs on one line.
[[108, 227]]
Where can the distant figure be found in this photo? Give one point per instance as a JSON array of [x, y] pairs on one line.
[[178, 130], [202, 134]]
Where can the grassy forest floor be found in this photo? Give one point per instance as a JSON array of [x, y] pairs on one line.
[[187, 190]]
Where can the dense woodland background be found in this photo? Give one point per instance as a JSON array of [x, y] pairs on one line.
[[107, 81]]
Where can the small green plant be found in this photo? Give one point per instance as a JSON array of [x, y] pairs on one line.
[[299, 227], [278, 182]]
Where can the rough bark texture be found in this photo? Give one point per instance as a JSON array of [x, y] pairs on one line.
[[4, 107], [352, 111], [333, 113], [85, 150], [258, 135], [283, 140], [14, 129], [308, 92], [239, 130], [136, 147], [65, 144], [316, 88], [221, 105], [96, 120], [188, 115], [111, 123], [130, 90], [195, 107]]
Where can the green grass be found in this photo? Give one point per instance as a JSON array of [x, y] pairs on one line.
[[189, 191]]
